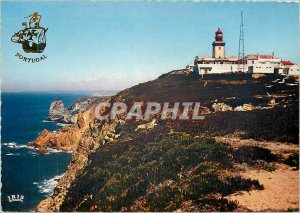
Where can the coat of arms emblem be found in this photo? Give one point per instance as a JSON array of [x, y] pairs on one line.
[[33, 37]]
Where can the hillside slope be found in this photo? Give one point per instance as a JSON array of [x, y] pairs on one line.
[[179, 165]]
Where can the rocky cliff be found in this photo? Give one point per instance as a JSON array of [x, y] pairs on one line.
[[81, 140], [80, 115], [58, 112], [175, 166]]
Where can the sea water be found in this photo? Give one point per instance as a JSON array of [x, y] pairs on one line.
[[24, 172]]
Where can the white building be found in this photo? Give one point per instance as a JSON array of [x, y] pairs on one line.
[[262, 64], [253, 63], [289, 68]]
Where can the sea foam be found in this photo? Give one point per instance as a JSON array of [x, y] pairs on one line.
[[13, 145], [47, 185]]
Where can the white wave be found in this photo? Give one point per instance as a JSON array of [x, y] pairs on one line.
[[14, 145], [47, 186], [49, 151], [10, 144], [61, 124], [33, 153], [13, 154], [45, 121]]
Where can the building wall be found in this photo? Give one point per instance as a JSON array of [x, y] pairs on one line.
[[264, 65], [216, 68], [294, 70], [218, 52], [261, 68]]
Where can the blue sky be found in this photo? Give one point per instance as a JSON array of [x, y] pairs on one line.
[[114, 45]]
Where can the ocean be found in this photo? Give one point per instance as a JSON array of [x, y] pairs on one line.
[[24, 172]]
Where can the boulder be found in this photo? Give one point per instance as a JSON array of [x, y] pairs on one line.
[[217, 107], [205, 110], [245, 107], [239, 108], [248, 107]]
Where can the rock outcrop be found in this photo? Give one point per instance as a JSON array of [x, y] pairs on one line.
[[58, 112], [65, 139], [221, 107], [84, 103], [205, 110], [245, 107]]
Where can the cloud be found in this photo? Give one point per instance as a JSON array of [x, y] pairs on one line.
[[102, 82]]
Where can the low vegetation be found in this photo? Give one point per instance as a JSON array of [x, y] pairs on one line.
[[178, 165], [156, 171]]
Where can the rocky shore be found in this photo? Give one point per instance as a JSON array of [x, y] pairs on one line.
[[66, 138], [81, 138]]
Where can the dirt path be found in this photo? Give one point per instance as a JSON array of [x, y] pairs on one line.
[[281, 187], [281, 190], [283, 149]]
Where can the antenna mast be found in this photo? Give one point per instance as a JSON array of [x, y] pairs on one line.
[[241, 53]]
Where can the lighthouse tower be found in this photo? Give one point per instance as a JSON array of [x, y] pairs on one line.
[[218, 45]]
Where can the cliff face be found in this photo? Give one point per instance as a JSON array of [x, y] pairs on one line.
[[83, 139], [66, 138], [174, 165], [80, 115]]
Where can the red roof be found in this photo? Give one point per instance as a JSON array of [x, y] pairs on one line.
[[266, 56], [205, 56], [257, 56], [219, 31], [287, 63]]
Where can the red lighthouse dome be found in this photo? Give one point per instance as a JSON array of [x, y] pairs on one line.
[[219, 35], [219, 31]]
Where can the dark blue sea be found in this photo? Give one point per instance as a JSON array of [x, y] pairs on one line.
[[24, 172]]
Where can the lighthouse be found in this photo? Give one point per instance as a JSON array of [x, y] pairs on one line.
[[218, 45]]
